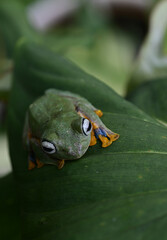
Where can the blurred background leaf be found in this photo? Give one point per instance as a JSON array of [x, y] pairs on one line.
[[151, 63], [89, 38], [13, 25], [148, 85], [5, 164]]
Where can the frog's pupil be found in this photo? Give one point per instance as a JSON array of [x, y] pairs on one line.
[[47, 149], [89, 127]]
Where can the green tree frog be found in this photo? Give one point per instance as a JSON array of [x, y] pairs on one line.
[[60, 126]]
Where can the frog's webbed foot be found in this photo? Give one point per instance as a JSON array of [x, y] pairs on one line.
[[105, 136], [31, 165], [31, 161], [60, 164], [107, 139], [34, 162]]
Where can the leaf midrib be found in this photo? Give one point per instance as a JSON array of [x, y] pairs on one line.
[[137, 152]]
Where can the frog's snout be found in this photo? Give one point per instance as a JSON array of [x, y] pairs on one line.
[[75, 153]]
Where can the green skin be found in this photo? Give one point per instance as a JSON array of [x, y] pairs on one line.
[[55, 117]]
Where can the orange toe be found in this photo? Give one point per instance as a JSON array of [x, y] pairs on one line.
[[60, 164], [105, 141], [99, 112], [31, 165], [39, 163], [93, 140]]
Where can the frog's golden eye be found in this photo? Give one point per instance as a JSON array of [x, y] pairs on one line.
[[86, 126], [48, 147]]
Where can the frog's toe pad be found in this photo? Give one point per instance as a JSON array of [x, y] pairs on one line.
[[60, 164], [113, 136], [39, 163], [105, 141], [99, 112]]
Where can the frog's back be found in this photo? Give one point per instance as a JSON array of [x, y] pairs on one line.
[[46, 108]]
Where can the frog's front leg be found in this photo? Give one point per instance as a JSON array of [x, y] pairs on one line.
[[33, 161], [99, 130], [93, 140]]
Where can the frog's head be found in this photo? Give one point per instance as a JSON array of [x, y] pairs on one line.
[[66, 138]]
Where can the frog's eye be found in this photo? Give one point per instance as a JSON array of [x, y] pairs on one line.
[[86, 126], [48, 147]]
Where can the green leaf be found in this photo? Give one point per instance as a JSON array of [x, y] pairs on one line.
[[117, 192], [9, 208]]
